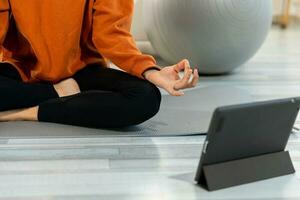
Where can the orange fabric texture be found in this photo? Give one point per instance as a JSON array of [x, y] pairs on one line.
[[51, 40]]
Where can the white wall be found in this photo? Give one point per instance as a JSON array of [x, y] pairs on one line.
[[295, 7]]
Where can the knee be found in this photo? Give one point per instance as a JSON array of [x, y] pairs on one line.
[[152, 98], [149, 100]]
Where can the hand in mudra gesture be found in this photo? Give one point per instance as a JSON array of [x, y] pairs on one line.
[[168, 78]]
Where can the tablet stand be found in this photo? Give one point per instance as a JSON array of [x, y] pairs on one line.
[[237, 172]]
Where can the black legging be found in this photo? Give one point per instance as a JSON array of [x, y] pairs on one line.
[[109, 98]]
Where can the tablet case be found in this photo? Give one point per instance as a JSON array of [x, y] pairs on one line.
[[237, 172], [246, 143]]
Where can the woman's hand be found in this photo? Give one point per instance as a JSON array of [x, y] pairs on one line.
[[168, 78]]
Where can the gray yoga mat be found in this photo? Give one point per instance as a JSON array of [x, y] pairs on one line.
[[178, 116]]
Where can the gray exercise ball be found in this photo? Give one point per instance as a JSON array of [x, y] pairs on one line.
[[217, 36]]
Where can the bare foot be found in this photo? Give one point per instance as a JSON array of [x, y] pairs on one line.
[[67, 87], [27, 114]]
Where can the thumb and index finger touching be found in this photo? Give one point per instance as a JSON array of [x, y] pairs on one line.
[[185, 82]]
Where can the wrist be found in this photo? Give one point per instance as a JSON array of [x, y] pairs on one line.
[[150, 71]]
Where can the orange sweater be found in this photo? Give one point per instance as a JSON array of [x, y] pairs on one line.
[[50, 40]]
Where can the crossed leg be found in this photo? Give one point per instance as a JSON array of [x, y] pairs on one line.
[[108, 98]]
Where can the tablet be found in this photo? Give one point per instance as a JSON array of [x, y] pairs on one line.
[[247, 130]]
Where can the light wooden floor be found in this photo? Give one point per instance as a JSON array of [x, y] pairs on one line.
[[152, 168]]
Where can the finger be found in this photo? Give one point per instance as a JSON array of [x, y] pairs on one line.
[[175, 92], [194, 81], [187, 73], [190, 83], [181, 65], [184, 82], [195, 78]]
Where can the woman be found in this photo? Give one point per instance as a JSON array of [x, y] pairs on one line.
[[53, 65]]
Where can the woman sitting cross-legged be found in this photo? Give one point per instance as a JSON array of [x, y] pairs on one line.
[[53, 65]]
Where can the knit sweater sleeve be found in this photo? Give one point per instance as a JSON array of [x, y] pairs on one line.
[[112, 21]]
